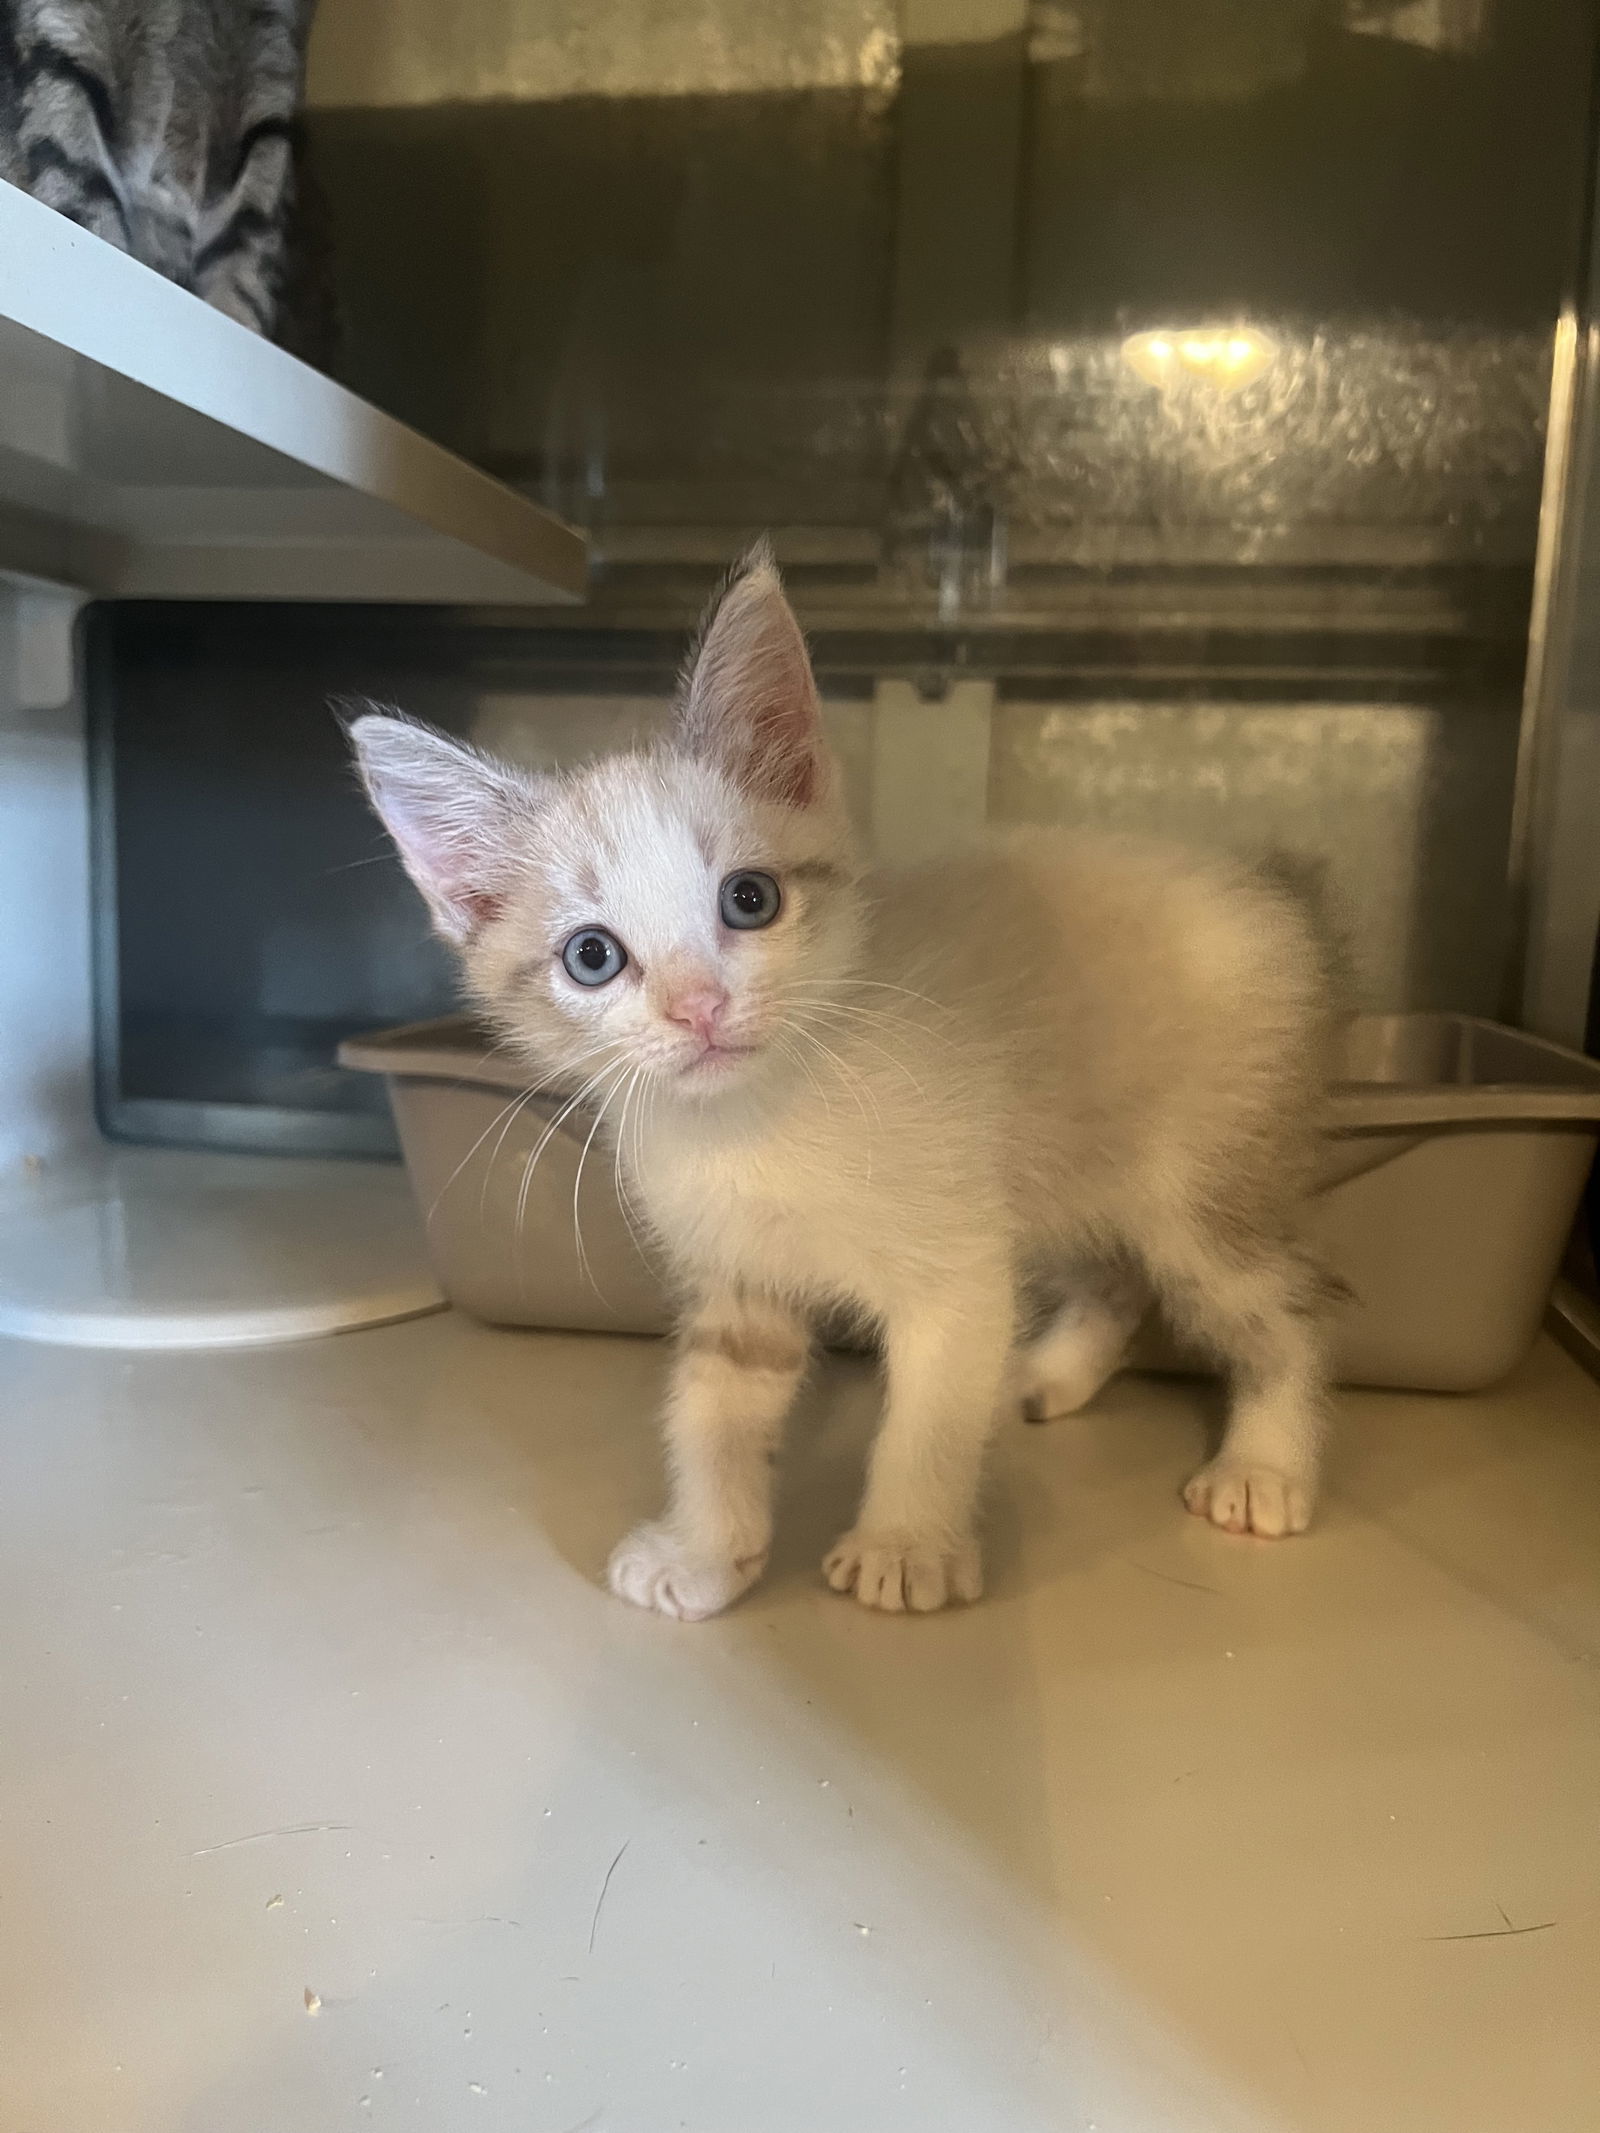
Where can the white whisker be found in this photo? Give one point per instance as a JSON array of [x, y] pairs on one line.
[[584, 1268], [786, 1051], [509, 1108], [853, 1082], [878, 985], [630, 1213], [850, 1035], [511, 1114], [883, 1017], [543, 1142]]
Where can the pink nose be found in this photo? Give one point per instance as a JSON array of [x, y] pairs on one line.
[[698, 1008]]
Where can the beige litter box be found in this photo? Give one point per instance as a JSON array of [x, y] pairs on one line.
[[1456, 1155]]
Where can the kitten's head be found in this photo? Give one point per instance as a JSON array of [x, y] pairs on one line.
[[676, 910]]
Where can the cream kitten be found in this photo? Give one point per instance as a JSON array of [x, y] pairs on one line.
[[1080, 1061]]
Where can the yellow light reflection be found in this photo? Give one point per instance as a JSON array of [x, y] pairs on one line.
[[1223, 357]]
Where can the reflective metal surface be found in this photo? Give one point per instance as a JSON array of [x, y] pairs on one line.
[[894, 281], [1147, 398]]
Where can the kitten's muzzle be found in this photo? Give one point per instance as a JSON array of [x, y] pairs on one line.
[[701, 1009], [712, 1058]]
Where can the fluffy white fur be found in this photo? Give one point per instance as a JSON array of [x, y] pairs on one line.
[[1077, 1066]]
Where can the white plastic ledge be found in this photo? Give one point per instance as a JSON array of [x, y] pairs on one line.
[[152, 448]]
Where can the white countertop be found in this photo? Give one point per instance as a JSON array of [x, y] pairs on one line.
[[310, 1688]]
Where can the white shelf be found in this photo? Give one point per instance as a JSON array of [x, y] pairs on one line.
[[152, 448], [168, 1248]]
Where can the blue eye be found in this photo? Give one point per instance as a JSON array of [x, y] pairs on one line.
[[750, 900], [593, 957]]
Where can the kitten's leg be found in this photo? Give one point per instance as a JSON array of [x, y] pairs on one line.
[[1082, 1347], [739, 1362], [1260, 1311], [914, 1544]]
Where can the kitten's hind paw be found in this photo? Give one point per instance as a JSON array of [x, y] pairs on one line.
[[651, 1568], [1081, 1350], [894, 1573], [1251, 1499], [1049, 1394]]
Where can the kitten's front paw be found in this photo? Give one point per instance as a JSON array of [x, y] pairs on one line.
[[1251, 1499], [651, 1568], [894, 1572]]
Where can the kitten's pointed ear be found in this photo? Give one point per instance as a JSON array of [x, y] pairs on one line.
[[459, 820], [749, 701]]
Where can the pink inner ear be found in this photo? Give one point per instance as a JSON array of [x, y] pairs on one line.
[[751, 699], [789, 764], [481, 906]]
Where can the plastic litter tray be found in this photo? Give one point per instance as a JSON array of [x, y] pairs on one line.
[[1455, 1155]]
